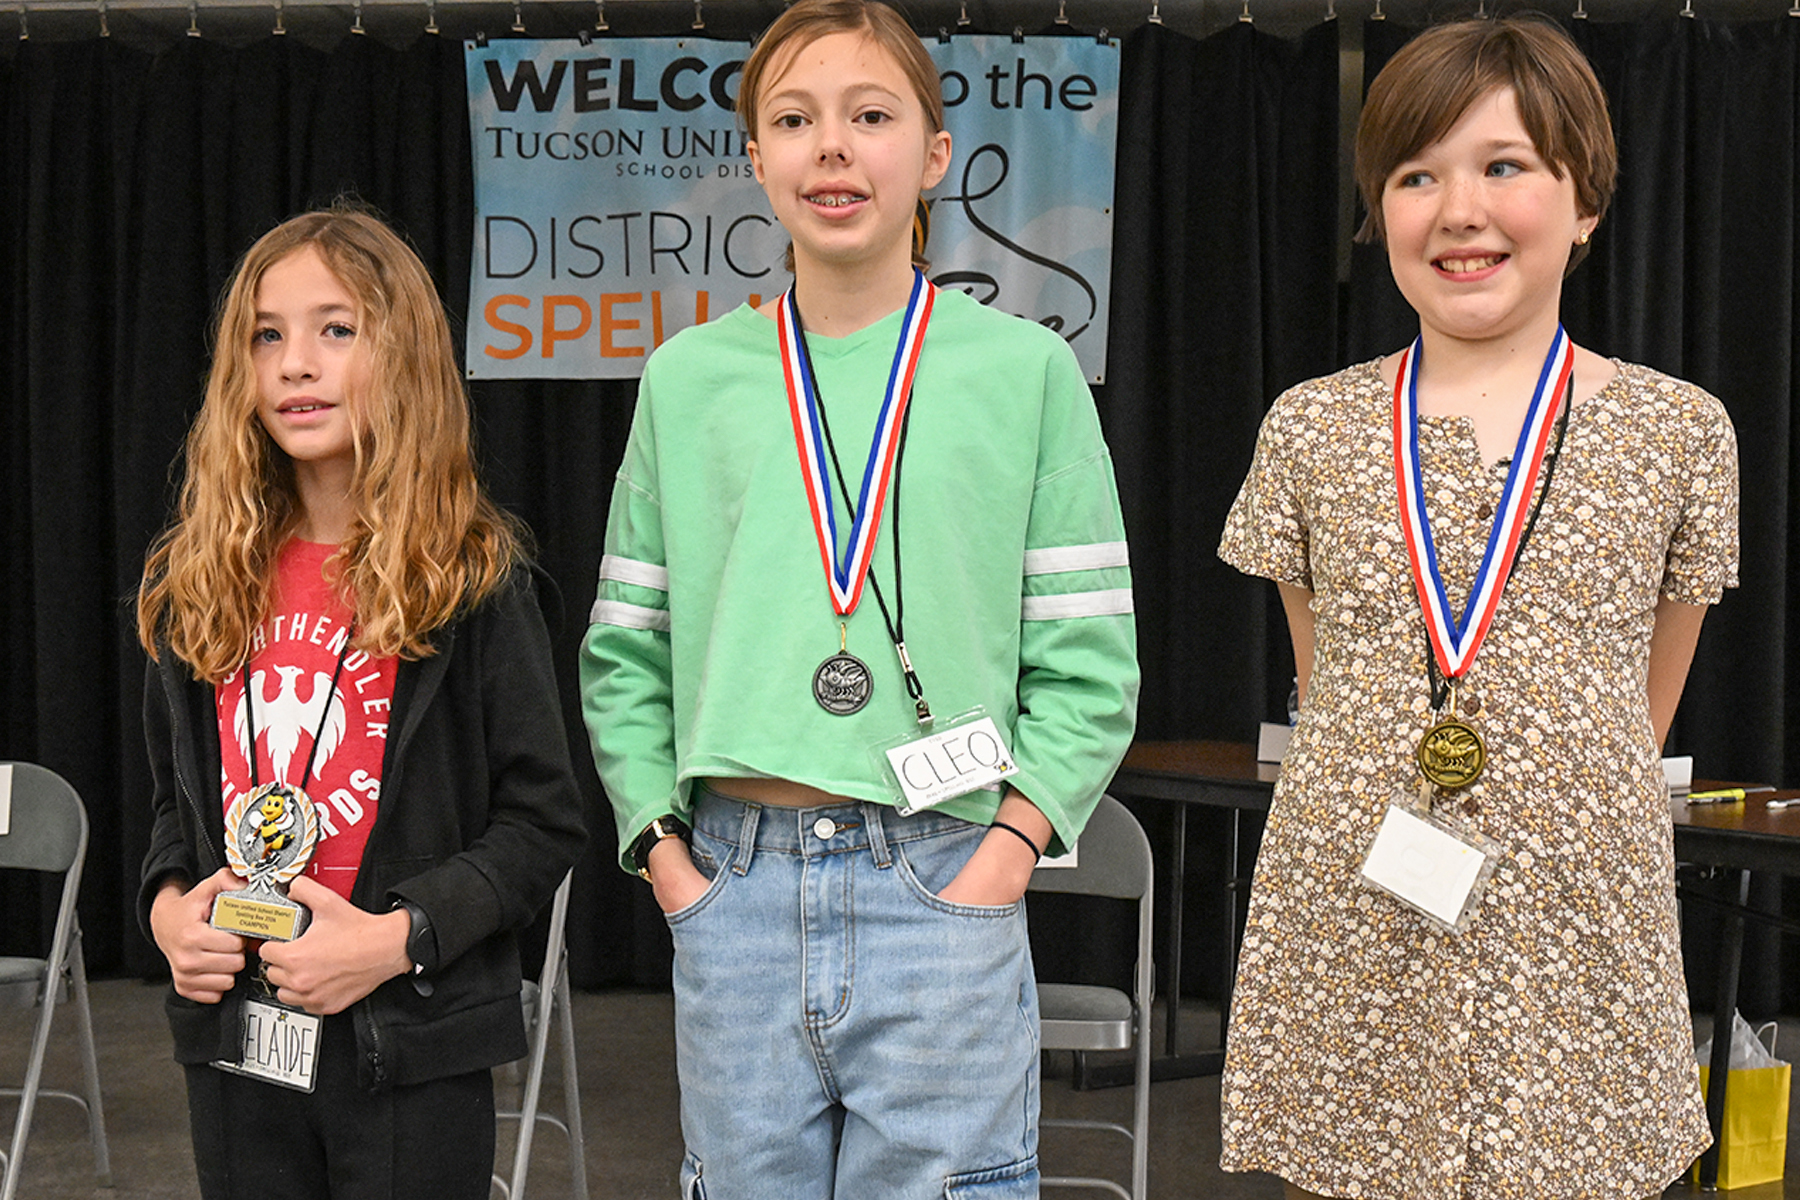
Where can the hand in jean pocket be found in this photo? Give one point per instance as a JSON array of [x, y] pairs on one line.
[[674, 878], [996, 875]]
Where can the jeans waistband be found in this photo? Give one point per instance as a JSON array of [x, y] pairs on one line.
[[840, 828]]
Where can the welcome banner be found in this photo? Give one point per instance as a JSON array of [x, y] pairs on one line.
[[615, 204], [1023, 221]]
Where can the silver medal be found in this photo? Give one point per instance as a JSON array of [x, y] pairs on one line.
[[842, 684]]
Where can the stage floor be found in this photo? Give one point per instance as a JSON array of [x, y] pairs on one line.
[[628, 1098]]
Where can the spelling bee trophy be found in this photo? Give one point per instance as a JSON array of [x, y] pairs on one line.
[[270, 833]]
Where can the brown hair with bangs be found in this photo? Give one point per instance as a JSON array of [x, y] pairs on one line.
[[805, 22], [1427, 87], [426, 542]]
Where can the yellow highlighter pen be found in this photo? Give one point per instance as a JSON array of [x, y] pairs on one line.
[[1724, 795]]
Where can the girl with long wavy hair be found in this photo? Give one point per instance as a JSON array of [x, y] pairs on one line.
[[343, 632]]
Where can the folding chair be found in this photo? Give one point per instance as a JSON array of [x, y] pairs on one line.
[[49, 832], [544, 1001], [1113, 860]]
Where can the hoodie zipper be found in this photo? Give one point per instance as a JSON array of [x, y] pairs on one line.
[[365, 1014]]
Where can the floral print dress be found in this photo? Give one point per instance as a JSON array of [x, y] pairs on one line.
[[1546, 1050]]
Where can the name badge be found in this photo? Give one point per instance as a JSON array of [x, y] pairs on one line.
[[1431, 867], [963, 755], [281, 1046]]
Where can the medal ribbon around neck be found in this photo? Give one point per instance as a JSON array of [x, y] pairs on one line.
[[1455, 642], [846, 575]]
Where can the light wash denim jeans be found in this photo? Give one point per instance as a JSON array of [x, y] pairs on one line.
[[841, 1033]]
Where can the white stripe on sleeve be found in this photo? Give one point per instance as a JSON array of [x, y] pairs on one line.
[[1109, 603], [630, 570], [629, 616], [1054, 560]]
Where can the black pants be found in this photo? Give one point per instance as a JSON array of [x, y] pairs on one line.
[[257, 1141]]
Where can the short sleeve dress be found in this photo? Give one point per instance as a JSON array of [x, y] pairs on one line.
[[1546, 1050]]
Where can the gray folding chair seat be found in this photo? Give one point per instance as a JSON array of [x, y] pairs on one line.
[[1086, 1017]]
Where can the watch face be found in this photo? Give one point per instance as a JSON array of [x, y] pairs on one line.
[[656, 831]]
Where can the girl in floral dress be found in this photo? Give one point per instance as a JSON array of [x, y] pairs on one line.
[[1499, 545]]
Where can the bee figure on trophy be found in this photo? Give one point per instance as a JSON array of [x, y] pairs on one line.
[[270, 833]]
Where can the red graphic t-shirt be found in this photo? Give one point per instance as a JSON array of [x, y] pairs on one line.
[[293, 656]]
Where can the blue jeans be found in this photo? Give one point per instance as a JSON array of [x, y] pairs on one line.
[[840, 1031]]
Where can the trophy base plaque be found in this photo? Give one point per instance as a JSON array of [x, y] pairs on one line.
[[270, 833], [269, 918]]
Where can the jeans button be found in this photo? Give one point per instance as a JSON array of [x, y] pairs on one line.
[[823, 828]]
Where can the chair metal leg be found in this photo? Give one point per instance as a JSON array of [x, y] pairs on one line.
[[34, 1073], [553, 993], [1140, 1126], [528, 1105], [571, 1085], [90, 1063]]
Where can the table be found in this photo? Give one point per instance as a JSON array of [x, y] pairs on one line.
[[1734, 838], [1214, 775], [1737, 839]]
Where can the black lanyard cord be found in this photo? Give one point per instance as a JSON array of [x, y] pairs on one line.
[[324, 716], [1440, 687], [895, 622]]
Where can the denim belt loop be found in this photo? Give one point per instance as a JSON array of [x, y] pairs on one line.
[[740, 862], [874, 816]]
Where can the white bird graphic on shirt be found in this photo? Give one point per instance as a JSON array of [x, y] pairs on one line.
[[285, 717]]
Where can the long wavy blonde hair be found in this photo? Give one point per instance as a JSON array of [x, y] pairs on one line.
[[426, 542]]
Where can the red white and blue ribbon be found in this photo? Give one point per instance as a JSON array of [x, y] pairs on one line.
[[1455, 641], [846, 573]]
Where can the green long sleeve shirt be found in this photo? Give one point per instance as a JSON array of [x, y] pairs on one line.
[[713, 611]]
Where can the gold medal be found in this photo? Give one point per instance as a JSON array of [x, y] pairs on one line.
[[1451, 754]]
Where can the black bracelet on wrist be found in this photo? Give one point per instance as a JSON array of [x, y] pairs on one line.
[[1036, 854]]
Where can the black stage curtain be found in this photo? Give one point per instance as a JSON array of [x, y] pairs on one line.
[[131, 181], [1224, 257], [1693, 272], [1224, 294]]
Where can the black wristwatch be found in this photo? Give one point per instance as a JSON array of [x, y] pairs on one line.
[[421, 943], [656, 831]]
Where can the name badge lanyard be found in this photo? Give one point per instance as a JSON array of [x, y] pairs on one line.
[[324, 716], [1451, 754], [297, 791], [842, 683]]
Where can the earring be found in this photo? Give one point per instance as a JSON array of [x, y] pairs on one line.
[[1581, 239]]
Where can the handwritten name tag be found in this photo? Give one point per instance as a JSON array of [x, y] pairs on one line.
[[281, 1046], [954, 761]]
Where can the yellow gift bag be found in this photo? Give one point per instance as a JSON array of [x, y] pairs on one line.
[[1753, 1144]]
